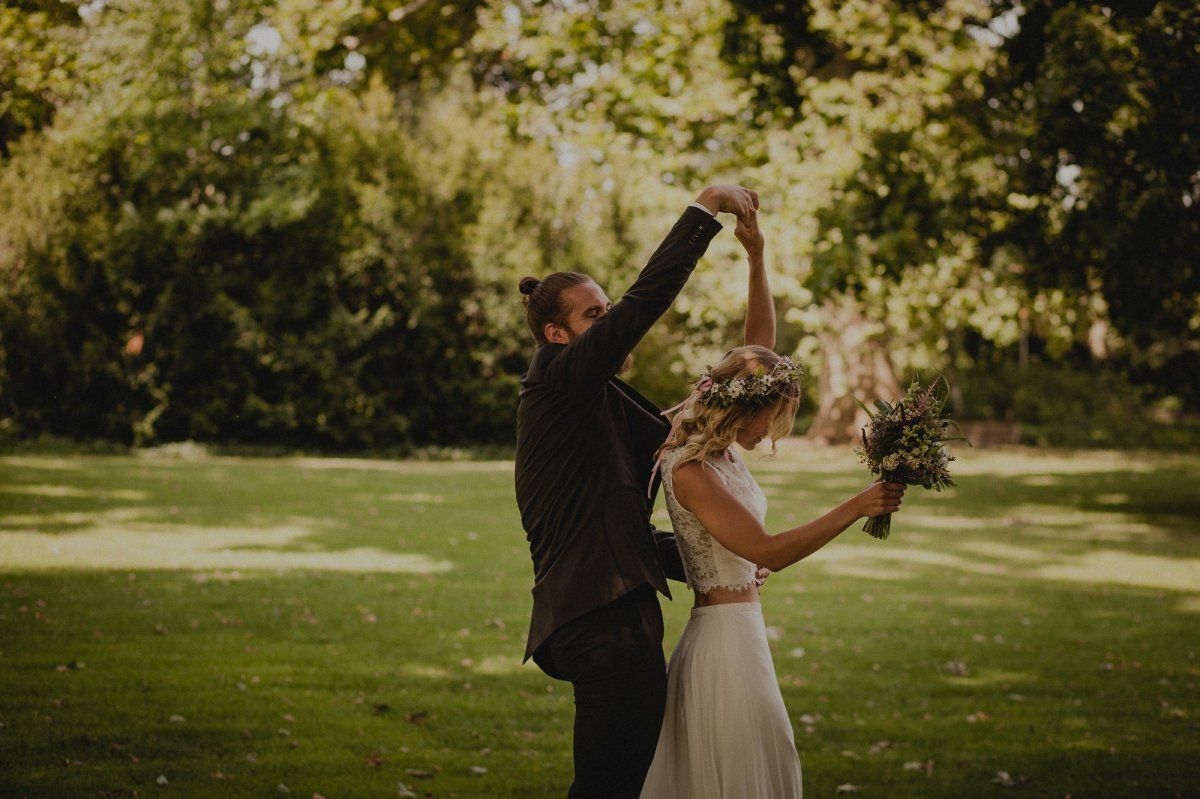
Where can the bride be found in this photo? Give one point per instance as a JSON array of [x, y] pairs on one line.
[[726, 733]]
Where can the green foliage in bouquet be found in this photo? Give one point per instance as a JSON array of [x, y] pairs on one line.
[[904, 442]]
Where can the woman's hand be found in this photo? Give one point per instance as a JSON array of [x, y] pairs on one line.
[[879, 498], [750, 236]]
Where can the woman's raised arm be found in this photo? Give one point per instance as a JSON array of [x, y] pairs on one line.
[[760, 308]]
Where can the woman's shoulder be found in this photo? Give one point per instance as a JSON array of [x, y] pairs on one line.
[[697, 474]]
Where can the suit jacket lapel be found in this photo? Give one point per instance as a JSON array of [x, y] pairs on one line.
[[648, 428], [643, 403], [649, 414]]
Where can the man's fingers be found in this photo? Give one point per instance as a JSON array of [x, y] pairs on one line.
[[739, 200]]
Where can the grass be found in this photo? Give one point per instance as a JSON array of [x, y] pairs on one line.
[[246, 627]]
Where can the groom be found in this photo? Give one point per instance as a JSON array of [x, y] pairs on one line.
[[585, 449]]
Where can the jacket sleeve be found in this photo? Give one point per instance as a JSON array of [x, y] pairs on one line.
[[668, 554], [595, 356]]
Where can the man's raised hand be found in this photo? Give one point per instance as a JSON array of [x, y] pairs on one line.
[[729, 199]]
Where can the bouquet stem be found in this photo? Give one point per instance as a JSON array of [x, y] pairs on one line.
[[879, 526]]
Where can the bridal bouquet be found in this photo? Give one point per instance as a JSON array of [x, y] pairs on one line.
[[904, 442]]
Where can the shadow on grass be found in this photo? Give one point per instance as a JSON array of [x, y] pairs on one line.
[[1089, 518], [1062, 590], [1072, 702], [1075, 690], [121, 512]]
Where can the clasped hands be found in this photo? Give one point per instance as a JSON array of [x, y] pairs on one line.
[[742, 203]]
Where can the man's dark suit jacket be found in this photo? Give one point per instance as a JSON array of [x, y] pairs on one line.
[[585, 449]]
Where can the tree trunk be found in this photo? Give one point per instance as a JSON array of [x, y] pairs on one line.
[[1097, 337], [854, 363], [957, 401]]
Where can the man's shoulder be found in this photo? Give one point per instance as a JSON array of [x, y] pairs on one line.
[[546, 353], [541, 359]]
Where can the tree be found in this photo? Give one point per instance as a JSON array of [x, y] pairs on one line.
[[1099, 107], [299, 222], [37, 43], [883, 105], [221, 242]]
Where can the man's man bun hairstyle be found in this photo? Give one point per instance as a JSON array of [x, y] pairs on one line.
[[543, 301]]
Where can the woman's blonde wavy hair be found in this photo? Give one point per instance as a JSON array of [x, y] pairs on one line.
[[701, 431]]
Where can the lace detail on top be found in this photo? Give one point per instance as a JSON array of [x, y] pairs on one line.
[[706, 563]]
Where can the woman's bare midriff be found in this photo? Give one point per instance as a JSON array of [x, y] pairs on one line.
[[726, 596]]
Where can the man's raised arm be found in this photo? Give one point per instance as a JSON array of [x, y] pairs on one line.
[[597, 354]]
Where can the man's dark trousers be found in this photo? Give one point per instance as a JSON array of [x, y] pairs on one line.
[[613, 658]]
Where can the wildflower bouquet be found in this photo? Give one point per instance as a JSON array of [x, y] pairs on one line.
[[905, 443]]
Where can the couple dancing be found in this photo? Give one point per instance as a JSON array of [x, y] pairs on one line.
[[713, 724]]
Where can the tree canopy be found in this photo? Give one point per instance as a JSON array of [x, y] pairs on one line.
[[298, 222]]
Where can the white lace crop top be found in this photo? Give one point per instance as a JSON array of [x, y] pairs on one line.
[[706, 563]]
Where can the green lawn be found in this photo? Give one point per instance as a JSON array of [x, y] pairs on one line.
[[255, 627]]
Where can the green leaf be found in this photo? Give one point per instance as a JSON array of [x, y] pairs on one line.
[[865, 408]]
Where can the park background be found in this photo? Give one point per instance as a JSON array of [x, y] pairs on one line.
[[260, 343]]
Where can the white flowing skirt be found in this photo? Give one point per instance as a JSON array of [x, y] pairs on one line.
[[726, 733]]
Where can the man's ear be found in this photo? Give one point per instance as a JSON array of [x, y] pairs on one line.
[[555, 334]]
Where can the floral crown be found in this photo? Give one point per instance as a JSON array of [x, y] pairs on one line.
[[759, 388]]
